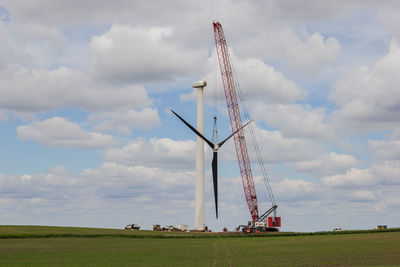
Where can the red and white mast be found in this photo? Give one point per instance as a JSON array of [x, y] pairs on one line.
[[235, 119]]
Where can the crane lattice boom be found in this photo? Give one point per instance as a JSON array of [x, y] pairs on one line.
[[235, 119]]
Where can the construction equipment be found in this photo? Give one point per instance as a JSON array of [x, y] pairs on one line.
[[259, 223], [171, 228], [157, 227], [381, 227], [132, 227]]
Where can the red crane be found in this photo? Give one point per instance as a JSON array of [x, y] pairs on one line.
[[230, 89]]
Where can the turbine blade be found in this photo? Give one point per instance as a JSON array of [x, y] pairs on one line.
[[194, 130], [226, 139], [215, 180]]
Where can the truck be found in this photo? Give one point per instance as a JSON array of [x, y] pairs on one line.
[[157, 227], [132, 227]]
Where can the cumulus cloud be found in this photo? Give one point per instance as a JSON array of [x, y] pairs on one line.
[[295, 120], [306, 53], [122, 10], [163, 152], [369, 98], [353, 178], [263, 81], [127, 54], [41, 185], [62, 12], [380, 173], [39, 81], [140, 178], [296, 190], [386, 150], [121, 120], [300, 10], [36, 45], [38, 90], [326, 164], [387, 172], [362, 195], [77, 199], [258, 81], [58, 131], [276, 148], [118, 189]]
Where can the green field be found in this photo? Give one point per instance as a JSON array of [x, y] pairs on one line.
[[67, 246]]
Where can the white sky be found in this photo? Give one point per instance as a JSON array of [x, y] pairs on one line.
[[87, 137]]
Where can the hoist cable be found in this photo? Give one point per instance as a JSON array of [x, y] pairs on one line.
[[254, 141]]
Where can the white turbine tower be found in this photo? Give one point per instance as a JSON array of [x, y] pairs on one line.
[[199, 221]]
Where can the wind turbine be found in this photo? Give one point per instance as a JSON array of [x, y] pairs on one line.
[[215, 148]]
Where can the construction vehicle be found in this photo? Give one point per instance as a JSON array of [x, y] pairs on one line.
[[381, 227], [132, 227], [259, 223], [171, 228], [177, 228], [157, 227]]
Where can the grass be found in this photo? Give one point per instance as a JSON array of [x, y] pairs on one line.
[[67, 246]]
